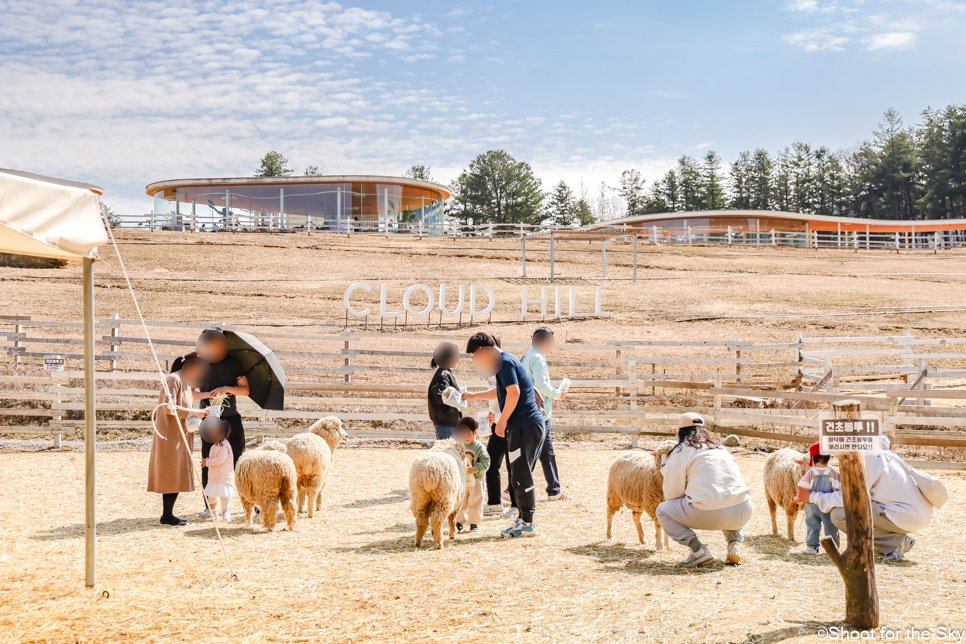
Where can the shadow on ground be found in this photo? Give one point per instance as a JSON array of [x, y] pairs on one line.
[[394, 496], [104, 529], [618, 557], [408, 543], [801, 629]]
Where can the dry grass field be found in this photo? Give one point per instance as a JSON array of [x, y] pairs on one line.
[[352, 574]]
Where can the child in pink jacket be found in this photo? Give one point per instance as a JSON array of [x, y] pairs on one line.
[[221, 469]]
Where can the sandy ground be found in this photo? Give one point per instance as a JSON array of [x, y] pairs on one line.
[[353, 574], [299, 280]]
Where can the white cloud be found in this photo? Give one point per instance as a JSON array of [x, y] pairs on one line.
[[333, 121], [803, 6], [817, 40], [895, 40]]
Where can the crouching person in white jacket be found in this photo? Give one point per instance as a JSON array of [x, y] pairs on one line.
[[898, 507], [704, 491]]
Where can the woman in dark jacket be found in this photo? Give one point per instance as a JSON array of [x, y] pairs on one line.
[[444, 417]]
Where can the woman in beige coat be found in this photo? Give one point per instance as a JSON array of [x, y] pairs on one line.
[[169, 470]]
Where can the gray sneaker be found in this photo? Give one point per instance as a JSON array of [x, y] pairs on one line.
[[519, 530], [490, 510], [508, 532], [900, 552], [509, 513]]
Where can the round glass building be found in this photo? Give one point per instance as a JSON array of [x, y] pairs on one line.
[[333, 203]]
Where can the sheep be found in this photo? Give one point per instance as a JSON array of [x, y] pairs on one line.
[[265, 478], [782, 472], [312, 453], [437, 486], [278, 446], [635, 481]]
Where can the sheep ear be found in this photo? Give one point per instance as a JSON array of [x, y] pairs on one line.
[[800, 461], [653, 453]]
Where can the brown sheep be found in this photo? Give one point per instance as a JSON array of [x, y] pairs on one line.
[[266, 478], [635, 481], [437, 486], [782, 472], [312, 454]]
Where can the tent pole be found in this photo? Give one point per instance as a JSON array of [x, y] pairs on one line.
[[89, 421]]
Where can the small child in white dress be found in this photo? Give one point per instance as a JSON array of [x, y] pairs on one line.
[[221, 466]]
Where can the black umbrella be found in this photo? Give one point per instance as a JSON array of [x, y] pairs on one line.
[[266, 377]]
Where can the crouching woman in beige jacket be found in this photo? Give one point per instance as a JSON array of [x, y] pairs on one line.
[[704, 490]]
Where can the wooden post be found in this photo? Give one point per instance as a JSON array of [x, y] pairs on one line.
[[90, 426], [523, 252], [717, 397], [348, 361], [737, 358], [857, 563], [635, 258], [603, 256], [17, 329], [798, 359], [114, 334], [632, 377]]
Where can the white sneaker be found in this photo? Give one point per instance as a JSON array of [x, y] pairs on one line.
[[809, 550], [563, 496], [226, 515], [734, 553], [505, 495], [205, 515], [489, 510], [509, 513], [698, 558]]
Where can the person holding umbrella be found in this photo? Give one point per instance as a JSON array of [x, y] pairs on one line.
[[227, 377]]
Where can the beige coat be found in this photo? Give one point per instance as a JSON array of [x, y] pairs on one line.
[[170, 467]]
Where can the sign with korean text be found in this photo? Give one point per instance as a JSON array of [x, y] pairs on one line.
[[852, 435], [53, 363]]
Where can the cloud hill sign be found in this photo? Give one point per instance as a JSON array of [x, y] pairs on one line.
[[474, 307]]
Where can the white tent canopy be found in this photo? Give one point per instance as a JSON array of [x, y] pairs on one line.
[[47, 217]]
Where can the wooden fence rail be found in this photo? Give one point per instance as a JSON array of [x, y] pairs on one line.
[[617, 386]]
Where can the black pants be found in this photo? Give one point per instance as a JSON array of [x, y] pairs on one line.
[[548, 461], [523, 449], [496, 448], [236, 440]]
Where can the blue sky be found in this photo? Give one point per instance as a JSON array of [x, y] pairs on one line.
[[125, 92]]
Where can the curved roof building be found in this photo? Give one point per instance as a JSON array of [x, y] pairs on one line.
[[315, 203], [750, 221]]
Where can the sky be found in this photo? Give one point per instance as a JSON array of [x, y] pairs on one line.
[[122, 93]]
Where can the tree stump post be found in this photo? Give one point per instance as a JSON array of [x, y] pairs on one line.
[[857, 563]]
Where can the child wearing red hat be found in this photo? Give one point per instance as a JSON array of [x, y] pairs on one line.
[[819, 478]]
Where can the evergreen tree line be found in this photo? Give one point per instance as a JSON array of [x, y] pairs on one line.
[[916, 172]]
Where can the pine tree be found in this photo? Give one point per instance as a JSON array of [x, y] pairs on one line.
[[782, 181], [712, 197], [690, 185], [419, 172], [802, 178], [760, 181], [560, 206], [631, 190], [739, 180]]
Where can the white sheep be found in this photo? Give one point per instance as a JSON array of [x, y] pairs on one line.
[[277, 446], [437, 486], [782, 472], [635, 481], [266, 478], [312, 454]]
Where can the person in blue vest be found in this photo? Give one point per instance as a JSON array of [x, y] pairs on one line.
[[520, 421]]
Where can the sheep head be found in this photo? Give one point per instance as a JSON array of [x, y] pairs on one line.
[[330, 429], [662, 450]]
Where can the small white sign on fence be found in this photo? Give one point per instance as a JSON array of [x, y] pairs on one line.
[[854, 435], [53, 363]]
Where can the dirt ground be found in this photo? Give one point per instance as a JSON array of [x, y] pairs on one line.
[[763, 294], [352, 573]]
